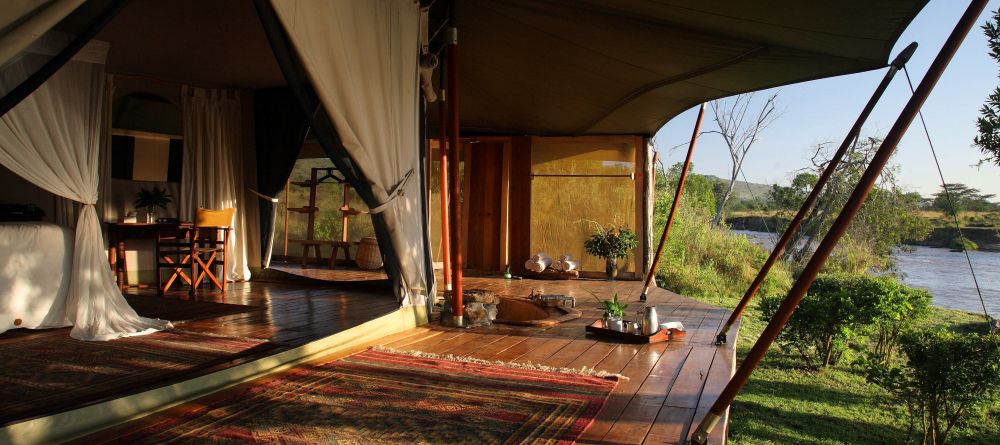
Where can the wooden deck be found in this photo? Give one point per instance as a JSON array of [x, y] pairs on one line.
[[670, 385], [284, 316]]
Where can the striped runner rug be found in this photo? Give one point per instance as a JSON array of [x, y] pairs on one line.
[[382, 396]]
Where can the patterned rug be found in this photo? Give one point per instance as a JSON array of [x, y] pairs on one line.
[[383, 397], [46, 371]]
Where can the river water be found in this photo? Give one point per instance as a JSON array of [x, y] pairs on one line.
[[942, 272]]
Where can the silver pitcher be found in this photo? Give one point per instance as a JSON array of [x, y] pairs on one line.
[[650, 322]]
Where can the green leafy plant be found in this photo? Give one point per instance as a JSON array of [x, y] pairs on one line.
[[152, 198], [947, 377], [613, 307], [611, 242], [840, 310]]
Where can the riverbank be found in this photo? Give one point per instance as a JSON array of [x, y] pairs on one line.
[[987, 239]]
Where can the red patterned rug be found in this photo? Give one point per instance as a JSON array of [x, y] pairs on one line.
[[46, 371], [383, 397]]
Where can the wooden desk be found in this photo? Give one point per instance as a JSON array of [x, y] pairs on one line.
[[118, 233]]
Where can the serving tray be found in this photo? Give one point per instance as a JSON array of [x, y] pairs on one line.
[[597, 328]]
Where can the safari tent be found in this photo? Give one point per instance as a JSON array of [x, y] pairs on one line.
[[557, 102]]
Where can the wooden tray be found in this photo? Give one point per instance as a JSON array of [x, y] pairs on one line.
[[597, 328]]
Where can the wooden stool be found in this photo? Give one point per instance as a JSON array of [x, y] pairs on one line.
[[310, 244], [338, 246]]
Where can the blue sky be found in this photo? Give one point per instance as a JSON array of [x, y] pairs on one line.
[[824, 110]]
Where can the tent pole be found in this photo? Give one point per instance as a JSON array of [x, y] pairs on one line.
[[443, 177], [455, 225], [674, 205], [840, 225], [794, 224]]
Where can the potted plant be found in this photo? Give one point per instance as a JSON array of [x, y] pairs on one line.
[[611, 243], [150, 199], [614, 312]]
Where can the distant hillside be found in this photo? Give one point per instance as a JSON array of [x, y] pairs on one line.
[[740, 189]]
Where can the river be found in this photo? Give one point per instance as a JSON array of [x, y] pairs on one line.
[[942, 272]]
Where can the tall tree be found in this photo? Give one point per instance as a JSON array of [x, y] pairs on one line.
[[963, 198], [988, 139], [740, 125], [888, 217]]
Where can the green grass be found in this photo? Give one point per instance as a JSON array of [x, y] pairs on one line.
[[785, 404]]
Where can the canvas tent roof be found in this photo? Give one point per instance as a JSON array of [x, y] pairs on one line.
[[557, 67], [628, 66]]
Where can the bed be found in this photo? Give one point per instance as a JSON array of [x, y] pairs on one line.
[[35, 260]]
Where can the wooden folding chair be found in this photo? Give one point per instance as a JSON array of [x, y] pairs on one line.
[[203, 248]]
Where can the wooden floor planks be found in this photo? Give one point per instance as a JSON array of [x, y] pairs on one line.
[[667, 386]]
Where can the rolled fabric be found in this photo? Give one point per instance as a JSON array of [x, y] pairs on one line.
[[568, 265], [534, 266], [557, 265], [541, 258]]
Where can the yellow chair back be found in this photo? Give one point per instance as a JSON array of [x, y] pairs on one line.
[[214, 218]]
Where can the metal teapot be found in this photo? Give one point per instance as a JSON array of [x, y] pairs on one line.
[[650, 322]]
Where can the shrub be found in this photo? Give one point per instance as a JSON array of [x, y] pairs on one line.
[[962, 243], [947, 377], [841, 309], [896, 311]]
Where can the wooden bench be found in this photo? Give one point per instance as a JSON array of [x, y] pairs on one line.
[[316, 245]]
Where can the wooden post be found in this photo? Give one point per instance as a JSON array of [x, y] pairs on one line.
[[840, 225], [652, 178], [344, 214], [673, 206], [457, 308], [443, 177], [794, 224], [285, 250]]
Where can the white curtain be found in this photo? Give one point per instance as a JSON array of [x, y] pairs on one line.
[[361, 57], [52, 139], [212, 174]]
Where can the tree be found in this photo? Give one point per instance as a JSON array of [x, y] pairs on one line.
[[792, 196], [988, 123], [963, 198], [740, 127], [888, 217]]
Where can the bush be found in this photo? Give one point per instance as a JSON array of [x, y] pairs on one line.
[[841, 309], [947, 377], [962, 243]]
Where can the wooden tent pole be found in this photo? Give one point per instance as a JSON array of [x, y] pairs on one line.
[[443, 176], [674, 205], [840, 225], [457, 308], [285, 248], [794, 224], [343, 214], [652, 178]]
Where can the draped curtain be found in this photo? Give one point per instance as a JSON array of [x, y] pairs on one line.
[[212, 172], [362, 60], [280, 129], [52, 139]]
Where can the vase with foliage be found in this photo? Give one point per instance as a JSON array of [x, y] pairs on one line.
[[614, 311], [611, 243], [150, 199]]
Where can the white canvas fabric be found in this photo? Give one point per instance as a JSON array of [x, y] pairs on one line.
[[361, 57], [52, 139], [24, 21], [212, 172]]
